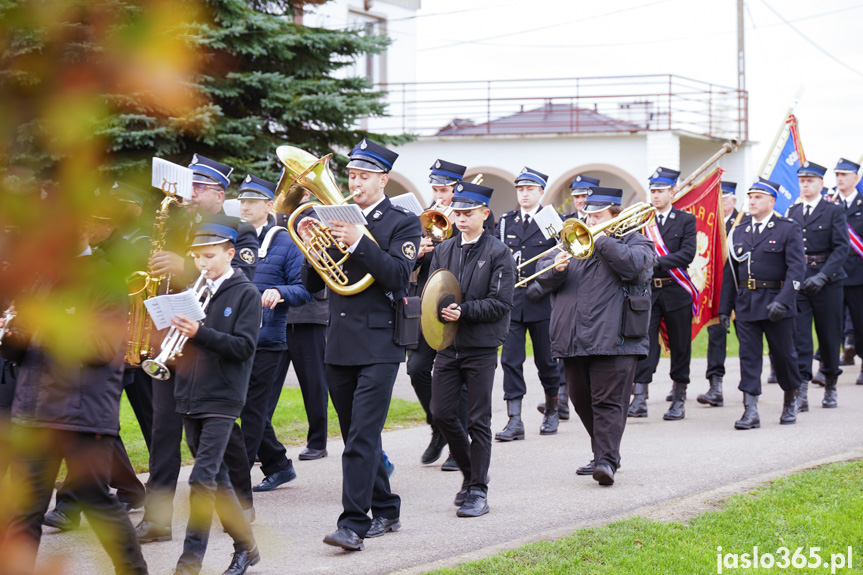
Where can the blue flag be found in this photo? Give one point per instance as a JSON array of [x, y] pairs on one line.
[[860, 185], [784, 173]]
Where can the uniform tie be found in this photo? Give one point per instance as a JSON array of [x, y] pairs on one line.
[[806, 213], [756, 231], [526, 223]]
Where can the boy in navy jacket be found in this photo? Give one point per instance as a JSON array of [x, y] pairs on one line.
[[211, 384]]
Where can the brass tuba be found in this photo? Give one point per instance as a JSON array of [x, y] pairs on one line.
[[142, 286], [303, 170], [577, 240]]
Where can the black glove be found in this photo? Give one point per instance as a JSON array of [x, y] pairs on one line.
[[776, 311], [535, 291], [725, 322], [813, 285]]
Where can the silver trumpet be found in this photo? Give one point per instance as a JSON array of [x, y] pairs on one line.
[[8, 316], [172, 345]]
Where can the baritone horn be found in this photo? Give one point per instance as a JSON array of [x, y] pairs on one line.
[[303, 171], [435, 221], [577, 240], [172, 345]]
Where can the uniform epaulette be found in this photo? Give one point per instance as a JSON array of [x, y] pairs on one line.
[[509, 213], [405, 211]]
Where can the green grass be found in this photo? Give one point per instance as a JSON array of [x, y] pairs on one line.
[[289, 421], [816, 508]]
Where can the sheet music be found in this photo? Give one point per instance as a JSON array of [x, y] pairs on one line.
[[549, 222], [350, 213], [172, 177], [163, 308], [409, 202]]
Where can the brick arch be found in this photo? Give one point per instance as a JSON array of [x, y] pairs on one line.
[[633, 190], [400, 184], [503, 182]]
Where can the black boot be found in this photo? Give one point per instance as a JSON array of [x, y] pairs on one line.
[[829, 392], [435, 448], [860, 377], [563, 403], [819, 378], [714, 394], [514, 428], [789, 409], [550, 421], [772, 377], [670, 396], [638, 407], [803, 397], [750, 418], [848, 352], [677, 411]]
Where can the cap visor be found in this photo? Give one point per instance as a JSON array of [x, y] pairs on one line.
[[365, 166], [590, 208]]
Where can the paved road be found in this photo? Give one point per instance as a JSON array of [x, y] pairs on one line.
[[533, 492]]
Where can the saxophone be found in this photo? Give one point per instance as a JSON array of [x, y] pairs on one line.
[[143, 285]]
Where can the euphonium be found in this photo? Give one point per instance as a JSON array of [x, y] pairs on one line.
[[303, 170], [577, 240], [172, 345], [142, 286]]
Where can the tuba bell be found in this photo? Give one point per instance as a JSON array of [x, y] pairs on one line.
[[303, 171], [435, 221]]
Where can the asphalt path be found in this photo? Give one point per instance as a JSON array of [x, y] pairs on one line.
[[533, 493]]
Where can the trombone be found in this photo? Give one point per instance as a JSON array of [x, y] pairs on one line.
[[172, 346], [577, 240]]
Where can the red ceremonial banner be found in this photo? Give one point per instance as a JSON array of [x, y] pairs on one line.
[[704, 201]]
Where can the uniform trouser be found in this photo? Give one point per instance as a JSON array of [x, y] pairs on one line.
[[420, 365], [599, 386], [123, 479], [7, 394], [361, 397], [139, 390], [165, 457], [716, 344], [854, 301], [513, 355], [678, 326], [826, 310], [266, 380], [210, 488], [780, 341], [306, 344], [450, 376], [35, 464]]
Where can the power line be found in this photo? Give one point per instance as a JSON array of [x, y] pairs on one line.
[[805, 37]]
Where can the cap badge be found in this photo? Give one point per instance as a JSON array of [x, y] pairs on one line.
[[577, 178], [248, 179], [656, 174], [805, 164], [364, 144], [524, 170], [437, 164], [589, 192], [460, 188], [195, 158]]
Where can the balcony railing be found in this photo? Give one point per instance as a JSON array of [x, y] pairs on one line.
[[566, 106]]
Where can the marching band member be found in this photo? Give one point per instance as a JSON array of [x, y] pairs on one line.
[[362, 358], [851, 201], [486, 274], [819, 301], [522, 235], [766, 254], [601, 342], [671, 301], [210, 388], [277, 277]]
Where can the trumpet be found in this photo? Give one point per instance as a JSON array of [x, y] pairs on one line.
[[577, 240], [8, 316], [172, 345], [435, 222]]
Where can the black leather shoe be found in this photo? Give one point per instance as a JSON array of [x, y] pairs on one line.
[[604, 474], [149, 532], [128, 506], [586, 469], [382, 525], [475, 504], [59, 520], [309, 454], [242, 560], [449, 464], [860, 377], [435, 448], [345, 538], [460, 497], [273, 480]]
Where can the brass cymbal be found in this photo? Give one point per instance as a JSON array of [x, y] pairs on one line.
[[440, 290]]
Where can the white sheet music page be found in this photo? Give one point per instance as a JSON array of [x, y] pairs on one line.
[[549, 222], [172, 178], [350, 213], [409, 202], [163, 308]]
